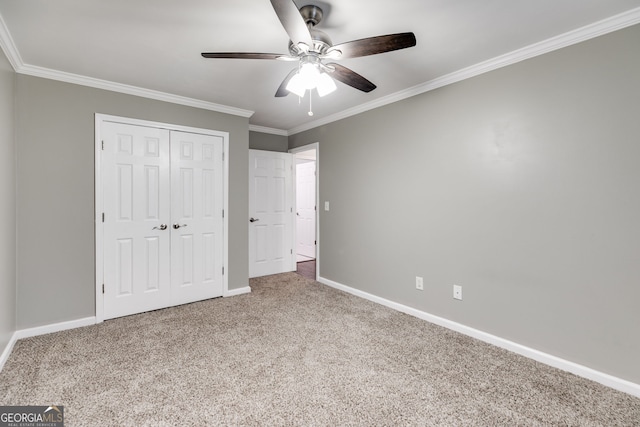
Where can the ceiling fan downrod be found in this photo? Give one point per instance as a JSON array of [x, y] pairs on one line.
[[311, 14]]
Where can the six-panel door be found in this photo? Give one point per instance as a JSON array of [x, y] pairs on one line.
[[196, 217], [271, 208], [136, 205]]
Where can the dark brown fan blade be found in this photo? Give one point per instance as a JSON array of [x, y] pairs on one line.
[[375, 45], [292, 21], [351, 78], [242, 55], [282, 90]]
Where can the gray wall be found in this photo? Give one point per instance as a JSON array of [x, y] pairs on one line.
[[268, 142], [55, 125], [521, 185], [7, 204]]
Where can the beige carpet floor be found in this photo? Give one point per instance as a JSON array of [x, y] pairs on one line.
[[295, 352]]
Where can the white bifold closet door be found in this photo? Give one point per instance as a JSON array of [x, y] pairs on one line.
[[163, 218]]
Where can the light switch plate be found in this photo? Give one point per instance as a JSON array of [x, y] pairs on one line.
[[326, 206]]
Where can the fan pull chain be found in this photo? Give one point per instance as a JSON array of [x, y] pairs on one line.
[[310, 105]]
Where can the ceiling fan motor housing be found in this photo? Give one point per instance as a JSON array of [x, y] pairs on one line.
[[312, 15], [321, 43]]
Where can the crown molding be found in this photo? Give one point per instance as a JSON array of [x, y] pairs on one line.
[[8, 46], [263, 129], [47, 73], [605, 26], [13, 55], [596, 29]]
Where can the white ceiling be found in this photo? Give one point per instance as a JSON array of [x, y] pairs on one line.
[[156, 44]]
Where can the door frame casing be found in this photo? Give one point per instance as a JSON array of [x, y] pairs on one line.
[[313, 146], [99, 202]]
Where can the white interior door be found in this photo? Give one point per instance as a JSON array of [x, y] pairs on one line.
[[306, 209], [163, 223], [196, 217], [136, 219], [271, 213]]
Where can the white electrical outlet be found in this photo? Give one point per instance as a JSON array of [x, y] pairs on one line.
[[419, 283], [457, 292]]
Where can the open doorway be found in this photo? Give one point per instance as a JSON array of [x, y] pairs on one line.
[[305, 160]]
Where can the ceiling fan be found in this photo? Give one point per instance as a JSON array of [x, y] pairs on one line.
[[311, 47]]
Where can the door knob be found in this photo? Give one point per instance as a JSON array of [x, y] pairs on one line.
[[162, 227], [253, 219], [176, 225]]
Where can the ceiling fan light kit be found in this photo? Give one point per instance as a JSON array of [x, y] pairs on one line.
[[309, 77], [325, 85], [310, 46]]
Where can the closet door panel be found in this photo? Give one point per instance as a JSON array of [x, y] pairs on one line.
[[136, 200], [197, 169]]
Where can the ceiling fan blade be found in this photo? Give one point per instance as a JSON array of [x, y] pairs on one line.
[[375, 45], [242, 55], [292, 21], [282, 90], [351, 78]]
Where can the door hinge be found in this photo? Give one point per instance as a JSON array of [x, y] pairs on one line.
[[102, 216], [222, 213], [223, 271], [103, 145], [291, 251], [223, 156], [315, 242], [103, 288]]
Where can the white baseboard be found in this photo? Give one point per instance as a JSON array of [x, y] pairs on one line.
[[548, 359], [42, 330], [55, 327], [7, 350], [236, 292]]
